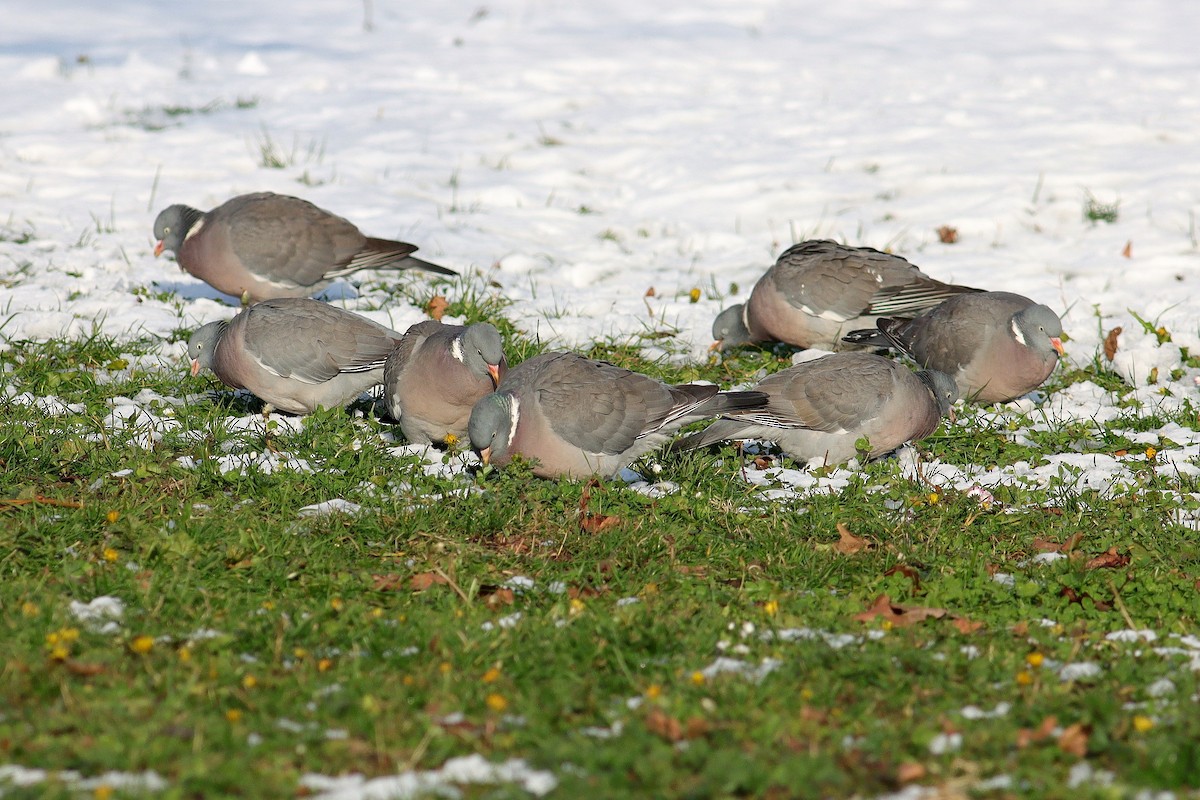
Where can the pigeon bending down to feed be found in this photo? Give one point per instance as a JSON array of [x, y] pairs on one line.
[[577, 417], [819, 290], [295, 354], [436, 374], [262, 246], [822, 408], [997, 346]]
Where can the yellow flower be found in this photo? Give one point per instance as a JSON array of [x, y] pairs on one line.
[[233, 715], [1151, 453], [1024, 678], [185, 654], [806, 693], [29, 609], [1142, 723], [408, 680], [268, 604], [653, 691], [445, 667], [496, 702], [142, 645], [112, 516], [887, 625], [376, 612], [451, 440], [694, 295], [698, 678], [491, 675], [771, 607], [324, 664], [1034, 659], [110, 555], [337, 604], [934, 497], [577, 606], [59, 652], [102, 792], [249, 682], [300, 653]]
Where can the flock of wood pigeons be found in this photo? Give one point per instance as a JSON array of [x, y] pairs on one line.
[[569, 415]]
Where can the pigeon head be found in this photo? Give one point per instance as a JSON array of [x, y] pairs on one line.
[[944, 389], [492, 426], [482, 350], [203, 343], [729, 328], [1039, 328], [172, 225]]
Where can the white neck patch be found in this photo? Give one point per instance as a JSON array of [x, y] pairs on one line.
[[194, 229], [746, 315], [514, 416], [1020, 337], [456, 350]]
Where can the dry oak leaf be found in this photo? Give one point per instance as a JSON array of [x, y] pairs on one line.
[[436, 307], [908, 572], [1108, 560], [82, 668], [667, 727], [1110, 343], [1128, 251], [1065, 546], [387, 583], [496, 596], [594, 523], [947, 234], [850, 544], [902, 616], [1027, 736], [421, 581], [910, 771], [1074, 739]]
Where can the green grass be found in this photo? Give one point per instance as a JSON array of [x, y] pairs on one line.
[[257, 646]]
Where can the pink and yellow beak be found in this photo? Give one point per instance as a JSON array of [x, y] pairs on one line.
[[497, 372], [1056, 343], [716, 345], [158, 249], [485, 455], [195, 367]]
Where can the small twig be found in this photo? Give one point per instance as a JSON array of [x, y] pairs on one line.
[[450, 582], [1121, 605]]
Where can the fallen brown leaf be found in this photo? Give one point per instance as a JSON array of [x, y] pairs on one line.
[[763, 462], [966, 626], [387, 583], [650, 292], [1110, 343], [664, 726], [498, 597], [1074, 739], [42, 500], [849, 544], [594, 523], [1051, 546], [698, 571], [908, 572], [909, 772], [1027, 736], [1108, 560], [589, 522], [947, 234], [898, 615], [436, 307], [423, 580], [1128, 251], [83, 669]]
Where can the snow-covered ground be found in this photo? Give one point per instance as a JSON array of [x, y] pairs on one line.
[[572, 156]]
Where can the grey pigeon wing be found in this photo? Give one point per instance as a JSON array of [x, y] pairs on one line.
[[839, 395], [817, 281], [601, 408], [288, 239], [313, 343]]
